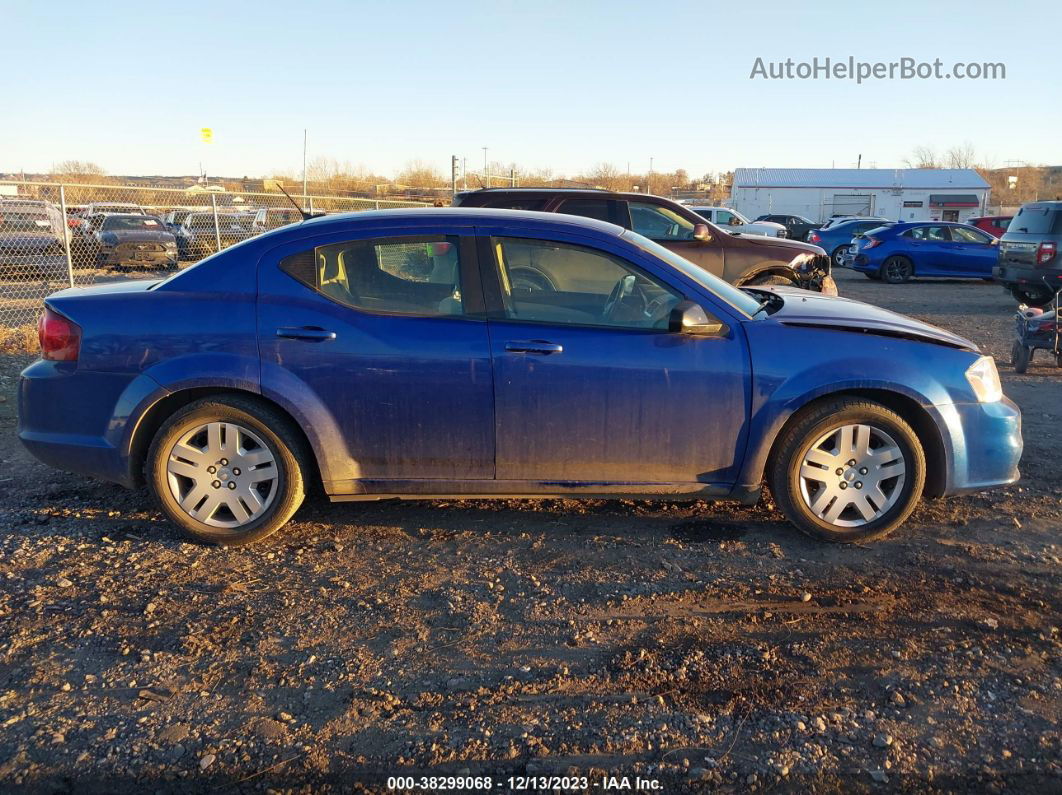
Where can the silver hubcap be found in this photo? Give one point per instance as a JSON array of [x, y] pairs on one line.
[[222, 474], [852, 475]]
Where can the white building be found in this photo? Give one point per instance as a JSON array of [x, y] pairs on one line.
[[903, 194]]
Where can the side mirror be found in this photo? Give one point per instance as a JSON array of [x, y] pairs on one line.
[[702, 232], [994, 241], [690, 318]]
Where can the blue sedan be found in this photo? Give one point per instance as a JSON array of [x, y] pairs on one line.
[[898, 252], [407, 354]]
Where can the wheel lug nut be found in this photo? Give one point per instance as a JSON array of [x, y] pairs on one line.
[[237, 472], [859, 484], [212, 470], [232, 485], [225, 462], [843, 485], [862, 470], [216, 484], [840, 471], [850, 463]]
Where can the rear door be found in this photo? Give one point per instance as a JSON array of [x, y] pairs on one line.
[[591, 389], [387, 333], [929, 247]]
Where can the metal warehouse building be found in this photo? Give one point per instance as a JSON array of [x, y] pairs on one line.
[[904, 194]]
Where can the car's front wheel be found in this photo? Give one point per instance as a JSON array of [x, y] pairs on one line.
[[847, 470], [228, 470]]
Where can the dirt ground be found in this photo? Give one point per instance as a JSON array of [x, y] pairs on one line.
[[693, 647]]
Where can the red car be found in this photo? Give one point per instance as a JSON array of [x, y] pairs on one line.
[[995, 225]]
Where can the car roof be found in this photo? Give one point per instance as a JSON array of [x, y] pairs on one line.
[[566, 191], [425, 216]]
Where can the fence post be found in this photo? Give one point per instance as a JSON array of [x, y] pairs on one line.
[[377, 204], [67, 234], [311, 205], [217, 228]]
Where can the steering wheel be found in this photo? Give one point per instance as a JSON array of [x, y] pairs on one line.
[[623, 288], [654, 306]]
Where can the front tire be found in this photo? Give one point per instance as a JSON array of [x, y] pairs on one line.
[[847, 470], [227, 470]]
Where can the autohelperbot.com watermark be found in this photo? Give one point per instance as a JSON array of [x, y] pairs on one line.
[[863, 71]]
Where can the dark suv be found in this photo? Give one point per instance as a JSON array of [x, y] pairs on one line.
[[1029, 263], [744, 260]]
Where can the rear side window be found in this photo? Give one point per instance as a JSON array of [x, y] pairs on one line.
[[598, 209], [409, 276], [1037, 221], [962, 235]]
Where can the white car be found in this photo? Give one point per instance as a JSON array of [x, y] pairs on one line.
[[734, 222]]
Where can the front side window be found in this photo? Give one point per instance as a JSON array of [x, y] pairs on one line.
[[410, 276], [962, 235], [547, 282], [659, 223]]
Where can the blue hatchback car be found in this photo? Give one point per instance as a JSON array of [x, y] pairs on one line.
[[929, 248], [836, 240], [405, 354]]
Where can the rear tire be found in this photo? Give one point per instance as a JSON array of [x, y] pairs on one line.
[[897, 270], [248, 449], [1020, 357], [890, 468], [838, 256]]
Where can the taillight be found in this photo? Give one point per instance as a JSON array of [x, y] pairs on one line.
[[871, 242], [1046, 252], [814, 238], [60, 338]]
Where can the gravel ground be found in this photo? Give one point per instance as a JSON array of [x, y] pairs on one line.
[[699, 647]]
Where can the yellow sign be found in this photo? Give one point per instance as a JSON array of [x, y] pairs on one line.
[[207, 134]]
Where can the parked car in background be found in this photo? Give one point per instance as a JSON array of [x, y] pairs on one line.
[[836, 239], [898, 252], [797, 227], [734, 222], [834, 220], [354, 353], [123, 241], [1029, 262], [31, 240], [269, 218], [198, 238], [739, 259], [995, 225], [175, 217]]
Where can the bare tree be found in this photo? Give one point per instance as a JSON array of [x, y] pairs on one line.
[[964, 156], [418, 174], [923, 157], [79, 169]]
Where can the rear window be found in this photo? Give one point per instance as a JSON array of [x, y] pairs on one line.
[[1042, 220], [24, 221]]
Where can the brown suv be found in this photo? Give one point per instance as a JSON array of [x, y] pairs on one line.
[[743, 260]]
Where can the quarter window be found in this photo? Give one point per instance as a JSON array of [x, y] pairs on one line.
[[557, 283], [410, 276], [659, 223]]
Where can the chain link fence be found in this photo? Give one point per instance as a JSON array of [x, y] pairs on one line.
[[57, 235]]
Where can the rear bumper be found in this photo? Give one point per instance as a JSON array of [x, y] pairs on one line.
[[1011, 275], [982, 444]]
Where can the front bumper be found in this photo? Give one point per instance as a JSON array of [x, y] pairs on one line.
[[130, 254], [982, 444], [1012, 275]]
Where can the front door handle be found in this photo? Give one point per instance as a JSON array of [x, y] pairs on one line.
[[305, 333], [534, 346]]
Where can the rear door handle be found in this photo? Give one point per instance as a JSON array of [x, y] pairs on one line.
[[305, 333], [534, 346]]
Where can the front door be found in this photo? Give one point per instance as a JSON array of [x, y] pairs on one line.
[[382, 333], [671, 230], [592, 390], [974, 252]]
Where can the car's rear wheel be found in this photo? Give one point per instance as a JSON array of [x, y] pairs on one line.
[[838, 256], [1032, 295], [847, 470], [228, 470], [897, 270]]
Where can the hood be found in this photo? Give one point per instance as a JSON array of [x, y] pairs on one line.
[[814, 310], [793, 247]]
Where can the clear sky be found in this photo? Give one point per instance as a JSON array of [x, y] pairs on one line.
[[563, 85]]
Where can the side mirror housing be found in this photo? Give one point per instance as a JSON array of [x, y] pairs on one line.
[[702, 232], [690, 318]]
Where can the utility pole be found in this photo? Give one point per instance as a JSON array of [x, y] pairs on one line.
[[649, 179], [453, 174], [303, 166], [859, 162], [486, 167]]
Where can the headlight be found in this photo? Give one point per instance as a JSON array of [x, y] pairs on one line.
[[984, 380]]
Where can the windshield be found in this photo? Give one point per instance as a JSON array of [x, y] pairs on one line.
[[744, 303], [144, 223], [24, 221]]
